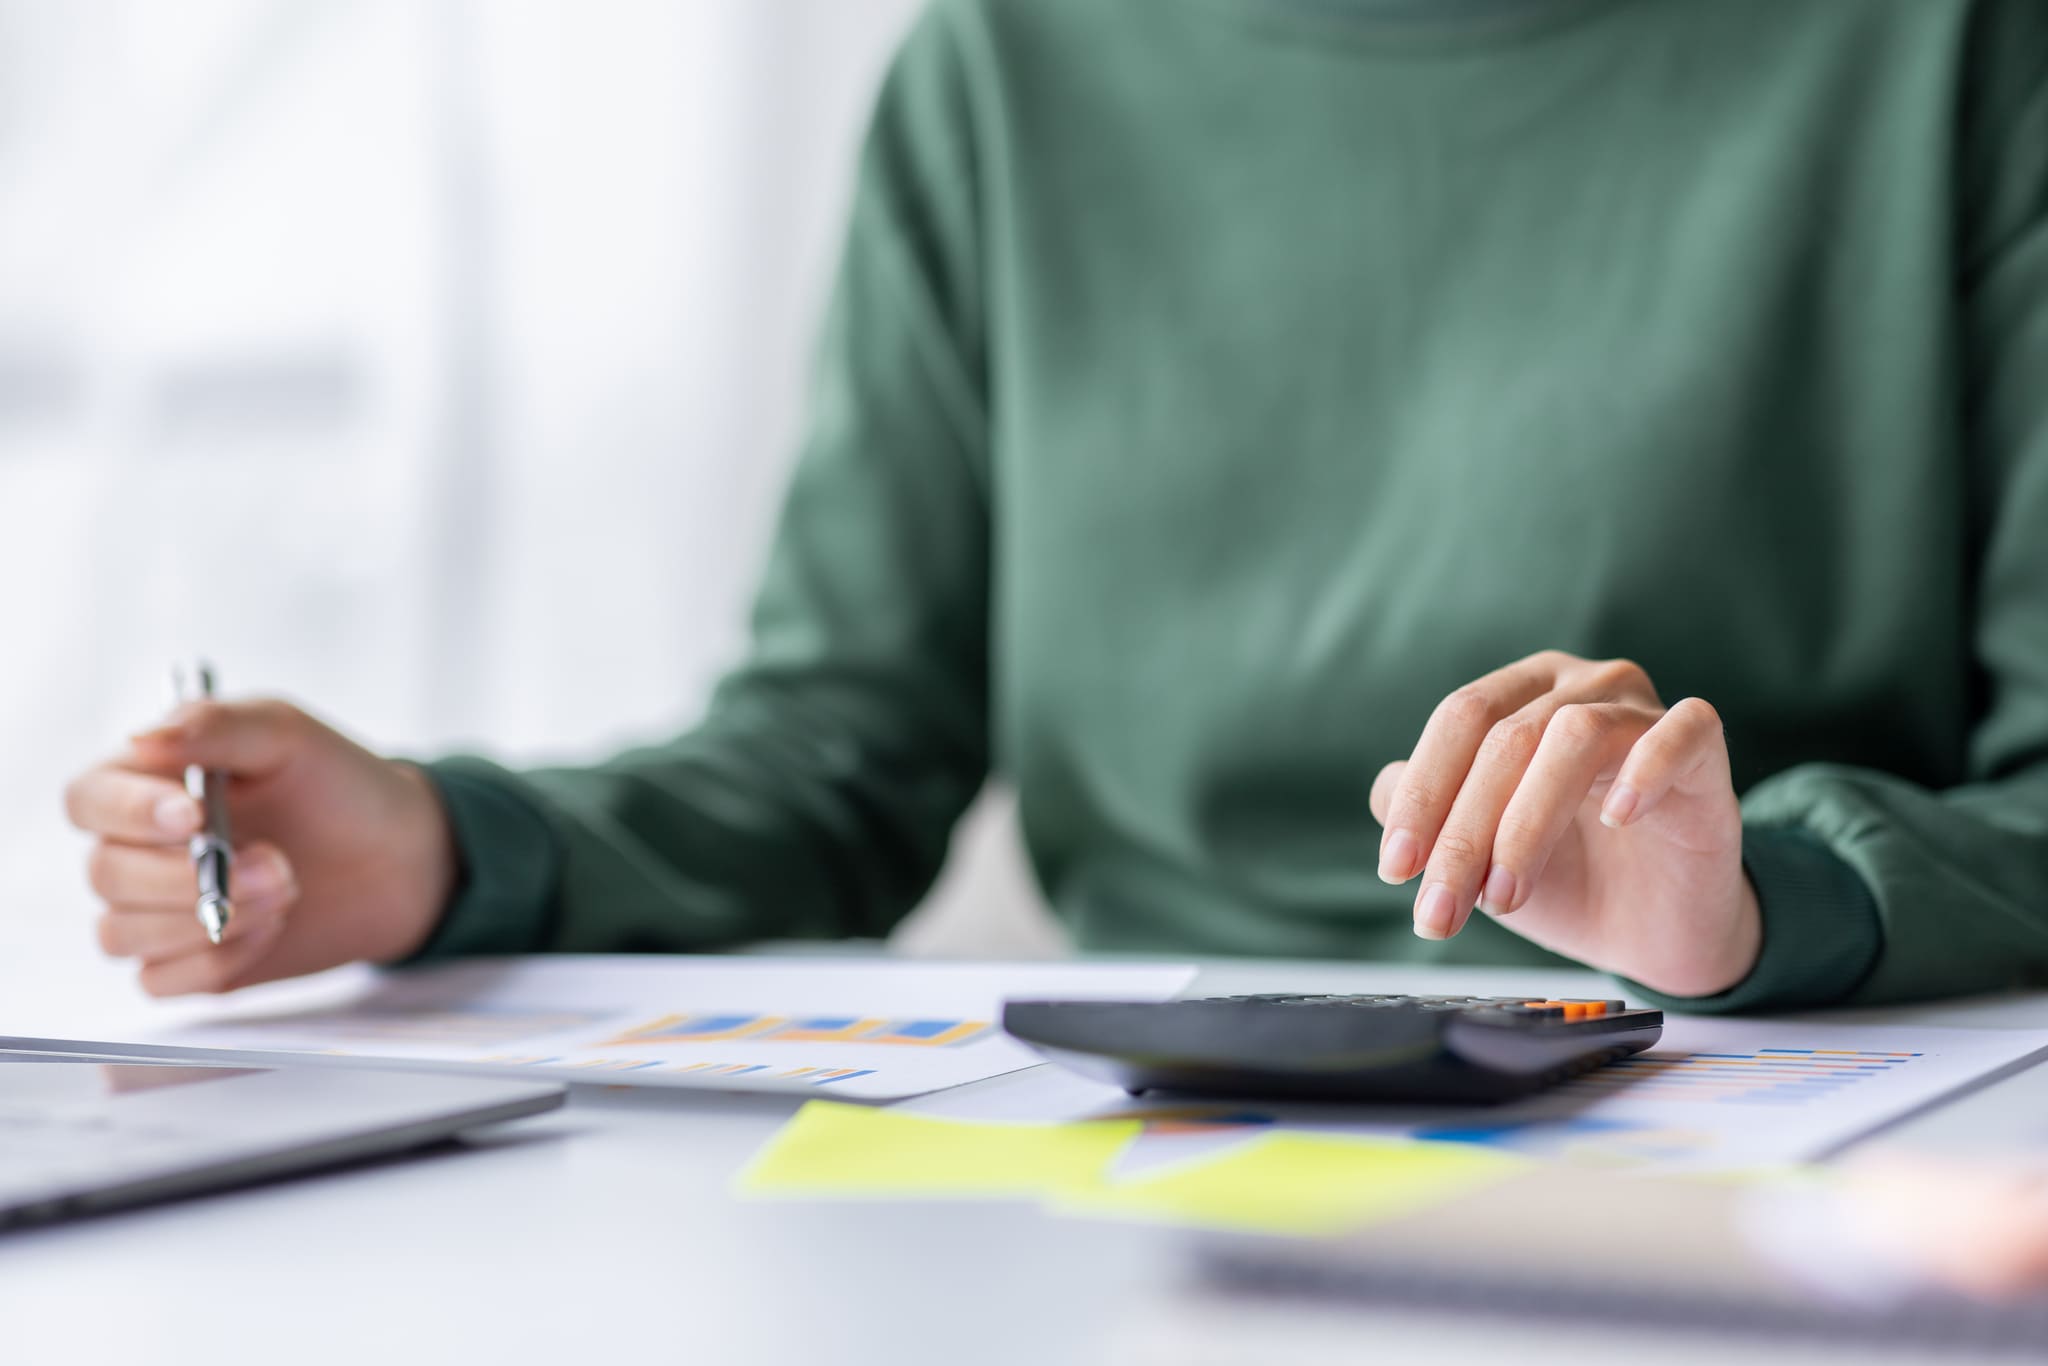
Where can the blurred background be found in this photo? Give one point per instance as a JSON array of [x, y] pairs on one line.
[[434, 363]]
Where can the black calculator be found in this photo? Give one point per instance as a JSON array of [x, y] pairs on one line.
[[1463, 1049]]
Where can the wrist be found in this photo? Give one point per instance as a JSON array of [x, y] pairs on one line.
[[1743, 945], [506, 865], [428, 867], [1821, 933], [1723, 962]]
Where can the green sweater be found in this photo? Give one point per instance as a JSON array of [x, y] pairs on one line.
[[1211, 386]]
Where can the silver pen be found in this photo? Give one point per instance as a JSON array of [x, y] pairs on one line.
[[212, 847]]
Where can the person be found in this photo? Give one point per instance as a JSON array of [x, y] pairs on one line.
[[1477, 481]]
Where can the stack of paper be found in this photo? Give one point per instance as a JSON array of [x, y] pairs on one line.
[[848, 1027], [1718, 1097]]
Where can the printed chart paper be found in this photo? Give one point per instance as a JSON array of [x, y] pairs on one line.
[[1749, 1098], [1714, 1095], [855, 1028]]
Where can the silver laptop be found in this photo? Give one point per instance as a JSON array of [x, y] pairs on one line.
[[78, 1137]]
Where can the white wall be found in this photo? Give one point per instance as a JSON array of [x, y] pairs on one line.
[[433, 362]]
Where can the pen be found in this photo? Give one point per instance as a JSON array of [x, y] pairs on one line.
[[211, 847]]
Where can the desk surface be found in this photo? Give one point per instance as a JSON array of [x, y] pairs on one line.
[[605, 1232]]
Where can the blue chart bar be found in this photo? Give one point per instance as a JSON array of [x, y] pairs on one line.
[[1768, 1076], [844, 1076]]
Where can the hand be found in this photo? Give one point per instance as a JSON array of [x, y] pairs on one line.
[[1561, 795], [339, 854], [1979, 1227]]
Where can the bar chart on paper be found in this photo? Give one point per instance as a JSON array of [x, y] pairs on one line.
[[1718, 1094], [1714, 1095], [1764, 1076], [667, 1045], [1747, 1099], [862, 1030]]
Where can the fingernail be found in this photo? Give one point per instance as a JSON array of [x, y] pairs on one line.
[[1499, 896], [1619, 806], [177, 815], [1434, 911], [1397, 857]]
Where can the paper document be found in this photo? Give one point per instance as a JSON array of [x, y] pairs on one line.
[[1714, 1095], [853, 1028]]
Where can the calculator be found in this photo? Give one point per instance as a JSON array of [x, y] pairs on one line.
[[1428, 1049]]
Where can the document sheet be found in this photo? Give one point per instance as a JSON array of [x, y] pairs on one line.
[[1713, 1095], [854, 1028], [1717, 1098]]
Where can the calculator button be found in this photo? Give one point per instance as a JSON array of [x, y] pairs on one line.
[[1570, 1010]]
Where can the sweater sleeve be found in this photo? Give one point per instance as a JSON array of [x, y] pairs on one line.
[[1875, 889], [817, 796]]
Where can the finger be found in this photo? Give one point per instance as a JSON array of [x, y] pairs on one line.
[[1459, 860], [1382, 798], [158, 932], [1444, 754], [1583, 742], [1458, 865], [247, 739], [212, 968], [1688, 743], [139, 875], [136, 807], [1611, 680]]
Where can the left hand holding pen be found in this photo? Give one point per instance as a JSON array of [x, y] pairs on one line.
[[1561, 795]]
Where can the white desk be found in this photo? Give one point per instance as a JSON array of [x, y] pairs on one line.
[[606, 1233]]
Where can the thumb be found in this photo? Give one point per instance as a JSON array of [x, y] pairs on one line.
[[248, 739]]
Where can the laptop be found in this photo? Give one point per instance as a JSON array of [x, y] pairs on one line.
[[80, 1137]]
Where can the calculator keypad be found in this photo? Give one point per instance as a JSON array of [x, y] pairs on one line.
[[1509, 1009]]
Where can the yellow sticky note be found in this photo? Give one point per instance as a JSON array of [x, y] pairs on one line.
[[831, 1148], [1793, 1176], [1297, 1183]]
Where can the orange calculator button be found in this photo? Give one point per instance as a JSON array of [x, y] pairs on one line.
[[1572, 1010]]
